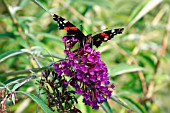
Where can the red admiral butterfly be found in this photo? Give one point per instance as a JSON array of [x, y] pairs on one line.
[[96, 40]]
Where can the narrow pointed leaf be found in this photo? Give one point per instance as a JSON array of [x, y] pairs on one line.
[[123, 68], [149, 6], [106, 107], [43, 106], [134, 105], [119, 101]]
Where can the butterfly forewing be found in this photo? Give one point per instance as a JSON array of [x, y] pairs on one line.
[[69, 27], [105, 36]]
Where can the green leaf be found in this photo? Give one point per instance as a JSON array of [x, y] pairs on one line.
[[6, 34], [149, 6], [106, 107], [120, 102], [2, 84], [9, 54], [41, 5], [22, 42], [138, 9], [43, 106], [134, 105], [123, 68], [146, 59], [15, 79]]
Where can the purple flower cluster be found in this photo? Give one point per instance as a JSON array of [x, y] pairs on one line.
[[88, 74]]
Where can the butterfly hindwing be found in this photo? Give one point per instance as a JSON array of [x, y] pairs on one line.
[[105, 36]]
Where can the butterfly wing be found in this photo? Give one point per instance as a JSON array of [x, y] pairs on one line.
[[105, 36], [71, 29]]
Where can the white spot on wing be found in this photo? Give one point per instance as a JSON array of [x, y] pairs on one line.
[[65, 21], [113, 31]]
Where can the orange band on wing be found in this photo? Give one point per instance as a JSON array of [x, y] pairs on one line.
[[66, 28], [70, 28], [104, 35], [73, 28]]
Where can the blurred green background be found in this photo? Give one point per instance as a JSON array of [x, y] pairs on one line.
[[28, 25]]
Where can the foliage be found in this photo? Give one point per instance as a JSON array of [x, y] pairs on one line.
[[138, 60]]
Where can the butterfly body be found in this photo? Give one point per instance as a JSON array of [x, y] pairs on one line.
[[96, 40]]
